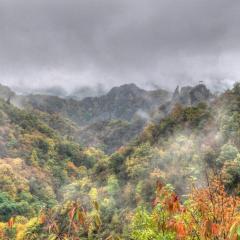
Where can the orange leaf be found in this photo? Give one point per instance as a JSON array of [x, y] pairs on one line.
[[155, 202], [215, 229], [42, 219], [81, 218], [180, 228], [10, 222], [72, 213]]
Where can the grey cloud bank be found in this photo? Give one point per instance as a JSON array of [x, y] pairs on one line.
[[74, 43]]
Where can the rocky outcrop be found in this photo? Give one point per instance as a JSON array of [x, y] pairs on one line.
[[190, 96], [186, 96], [198, 94]]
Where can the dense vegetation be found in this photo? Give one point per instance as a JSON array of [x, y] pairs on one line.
[[180, 179]]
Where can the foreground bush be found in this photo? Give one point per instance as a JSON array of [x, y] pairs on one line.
[[208, 213]]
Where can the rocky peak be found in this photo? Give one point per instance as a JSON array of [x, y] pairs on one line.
[[126, 90], [189, 96], [186, 96], [199, 93], [176, 94]]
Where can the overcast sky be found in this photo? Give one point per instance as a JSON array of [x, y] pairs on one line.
[[84, 42]]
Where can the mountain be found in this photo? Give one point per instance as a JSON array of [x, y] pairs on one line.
[[190, 96], [122, 112], [119, 103], [169, 172], [128, 106], [111, 135], [186, 96]]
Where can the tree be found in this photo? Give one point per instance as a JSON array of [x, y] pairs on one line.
[[112, 185], [10, 208], [209, 213], [228, 153], [34, 158]]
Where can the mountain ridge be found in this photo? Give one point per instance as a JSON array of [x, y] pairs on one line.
[[126, 108]]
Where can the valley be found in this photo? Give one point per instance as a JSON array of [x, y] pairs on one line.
[[96, 162]]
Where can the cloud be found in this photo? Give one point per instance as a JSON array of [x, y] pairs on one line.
[[78, 42]]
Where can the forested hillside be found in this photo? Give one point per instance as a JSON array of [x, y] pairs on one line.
[[121, 112], [177, 176]]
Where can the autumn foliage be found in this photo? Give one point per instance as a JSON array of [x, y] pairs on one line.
[[208, 213]]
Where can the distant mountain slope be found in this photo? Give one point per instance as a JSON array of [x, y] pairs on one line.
[[108, 121], [122, 112], [122, 103], [110, 135]]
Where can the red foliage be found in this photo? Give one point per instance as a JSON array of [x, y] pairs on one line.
[[210, 214]]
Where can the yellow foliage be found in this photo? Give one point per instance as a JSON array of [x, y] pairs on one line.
[[93, 193], [2, 228], [94, 152], [21, 220], [22, 229], [51, 147]]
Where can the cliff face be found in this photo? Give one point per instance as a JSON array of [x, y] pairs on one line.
[[190, 96]]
